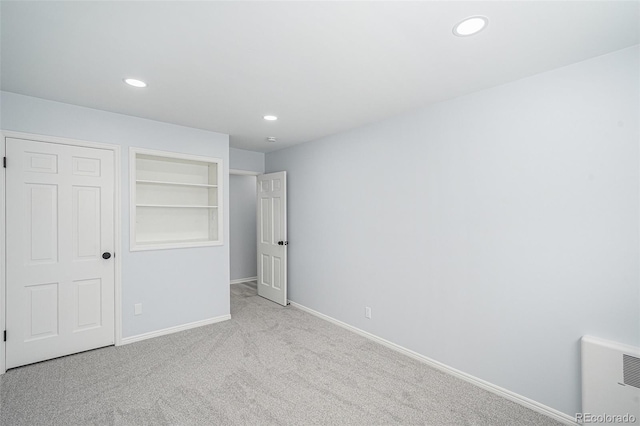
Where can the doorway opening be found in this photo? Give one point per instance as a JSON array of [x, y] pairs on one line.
[[264, 260], [242, 226]]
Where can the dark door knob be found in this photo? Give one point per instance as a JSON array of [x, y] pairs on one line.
[[106, 255], [283, 243]]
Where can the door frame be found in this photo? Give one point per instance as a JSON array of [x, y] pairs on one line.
[[117, 215]]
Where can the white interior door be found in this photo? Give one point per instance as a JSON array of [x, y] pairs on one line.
[[272, 237], [60, 221]]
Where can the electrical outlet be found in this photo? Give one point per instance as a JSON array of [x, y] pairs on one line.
[[367, 312], [137, 309]]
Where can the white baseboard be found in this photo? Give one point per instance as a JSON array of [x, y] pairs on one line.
[[512, 396], [171, 330], [243, 280]]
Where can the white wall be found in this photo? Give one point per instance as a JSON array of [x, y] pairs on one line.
[[241, 159], [175, 286], [489, 232], [242, 226]]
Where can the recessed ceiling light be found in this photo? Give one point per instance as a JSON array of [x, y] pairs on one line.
[[135, 83], [470, 26], [270, 117], [271, 139]]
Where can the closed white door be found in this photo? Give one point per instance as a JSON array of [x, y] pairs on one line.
[[272, 237], [60, 241]]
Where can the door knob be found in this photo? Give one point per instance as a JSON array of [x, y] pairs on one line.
[[106, 255], [283, 243]]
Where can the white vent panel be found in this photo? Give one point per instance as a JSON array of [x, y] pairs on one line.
[[610, 378], [631, 370]]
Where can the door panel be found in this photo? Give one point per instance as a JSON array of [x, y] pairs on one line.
[[265, 218], [86, 222], [60, 218], [42, 311], [86, 166], [276, 224], [277, 270], [272, 230], [42, 215], [265, 277], [87, 304], [40, 162]]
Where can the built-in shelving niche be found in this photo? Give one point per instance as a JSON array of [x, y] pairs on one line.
[[176, 200]]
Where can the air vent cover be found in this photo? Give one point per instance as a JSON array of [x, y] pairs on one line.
[[610, 378], [631, 370]]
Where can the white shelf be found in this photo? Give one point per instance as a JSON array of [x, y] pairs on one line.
[[176, 200], [176, 206], [159, 182]]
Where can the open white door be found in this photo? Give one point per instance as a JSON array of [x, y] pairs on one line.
[[272, 237], [60, 240]]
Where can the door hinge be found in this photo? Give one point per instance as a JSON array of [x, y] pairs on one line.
[[4, 162], [5, 335]]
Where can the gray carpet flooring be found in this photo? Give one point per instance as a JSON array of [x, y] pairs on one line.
[[267, 365]]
